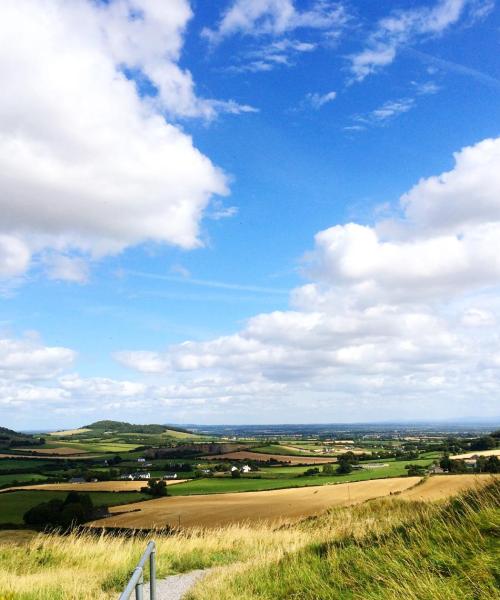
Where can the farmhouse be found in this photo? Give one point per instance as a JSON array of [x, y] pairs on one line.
[[77, 480], [170, 476], [246, 469]]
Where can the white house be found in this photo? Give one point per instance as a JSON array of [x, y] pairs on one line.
[[233, 469], [141, 460], [170, 476], [246, 469], [143, 476]]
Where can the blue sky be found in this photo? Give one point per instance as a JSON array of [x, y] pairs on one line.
[[257, 179]]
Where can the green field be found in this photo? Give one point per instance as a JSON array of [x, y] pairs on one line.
[[224, 485], [7, 464], [20, 478], [13, 505]]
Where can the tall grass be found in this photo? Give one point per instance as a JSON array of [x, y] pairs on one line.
[[381, 549], [449, 552]]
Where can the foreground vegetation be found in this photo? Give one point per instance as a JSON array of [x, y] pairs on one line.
[[382, 549]]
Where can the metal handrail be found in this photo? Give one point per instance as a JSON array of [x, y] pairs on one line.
[[136, 581]]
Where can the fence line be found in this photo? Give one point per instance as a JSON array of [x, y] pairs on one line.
[[136, 581]]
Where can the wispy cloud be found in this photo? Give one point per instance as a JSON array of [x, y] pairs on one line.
[[403, 27], [384, 113], [319, 100], [275, 17], [266, 58], [209, 283], [448, 65]]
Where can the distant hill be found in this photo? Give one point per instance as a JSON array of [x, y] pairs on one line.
[[124, 427], [10, 439]]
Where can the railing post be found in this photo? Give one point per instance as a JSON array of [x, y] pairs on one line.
[[139, 588], [152, 573]]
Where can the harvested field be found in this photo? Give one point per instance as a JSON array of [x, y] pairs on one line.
[[286, 458], [495, 452], [60, 451], [70, 432], [91, 486], [440, 487], [273, 506]]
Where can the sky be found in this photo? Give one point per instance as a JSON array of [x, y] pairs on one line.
[[249, 211]]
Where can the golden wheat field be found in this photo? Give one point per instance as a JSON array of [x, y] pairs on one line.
[[217, 510], [293, 460], [495, 452], [70, 431], [92, 486], [444, 486]]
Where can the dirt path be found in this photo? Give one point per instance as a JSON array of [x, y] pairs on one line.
[[175, 586]]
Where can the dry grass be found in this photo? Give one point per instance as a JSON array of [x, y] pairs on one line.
[[95, 567], [441, 487], [287, 458]]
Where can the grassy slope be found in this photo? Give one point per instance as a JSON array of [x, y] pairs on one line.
[[13, 505], [397, 549], [447, 553]]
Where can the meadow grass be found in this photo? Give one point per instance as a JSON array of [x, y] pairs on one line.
[[386, 548], [440, 552]]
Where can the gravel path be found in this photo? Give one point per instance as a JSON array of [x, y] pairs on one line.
[[175, 586]]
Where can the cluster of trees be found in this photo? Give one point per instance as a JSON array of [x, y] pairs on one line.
[[156, 488], [416, 470], [74, 510], [484, 464], [345, 464]]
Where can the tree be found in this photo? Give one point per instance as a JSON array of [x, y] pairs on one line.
[[344, 467], [487, 442], [235, 474], [74, 510], [415, 470], [329, 469], [156, 488], [445, 463]]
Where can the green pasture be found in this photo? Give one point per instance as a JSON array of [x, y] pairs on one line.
[[20, 478], [13, 505], [224, 485]]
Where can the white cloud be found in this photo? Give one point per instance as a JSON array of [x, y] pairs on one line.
[[86, 163], [275, 17], [467, 195], [27, 358], [404, 26], [266, 58], [318, 100], [395, 315], [66, 268]]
